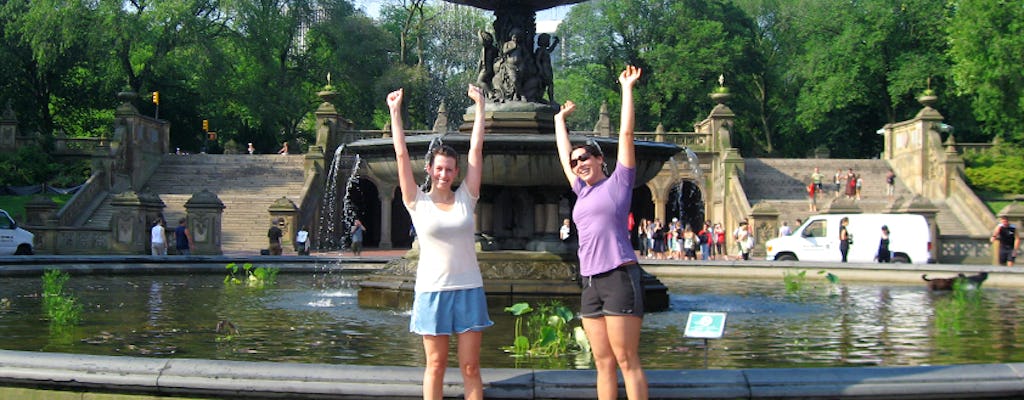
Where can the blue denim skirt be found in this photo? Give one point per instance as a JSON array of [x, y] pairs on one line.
[[449, 312]]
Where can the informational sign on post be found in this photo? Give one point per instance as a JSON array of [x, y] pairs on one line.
[[705, 325]]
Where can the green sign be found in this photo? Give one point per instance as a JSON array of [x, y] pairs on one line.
[[707, 325]]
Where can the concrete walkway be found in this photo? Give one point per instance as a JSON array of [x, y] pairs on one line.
[[38, 375]]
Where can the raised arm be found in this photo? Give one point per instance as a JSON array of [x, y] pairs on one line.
[[405, 177], [562, 139], [627, 155], [476, 144]]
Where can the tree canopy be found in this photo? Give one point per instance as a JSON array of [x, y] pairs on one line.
[[803, 73]]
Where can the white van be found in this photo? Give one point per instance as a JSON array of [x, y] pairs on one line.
[[14, 240], [818, 239]]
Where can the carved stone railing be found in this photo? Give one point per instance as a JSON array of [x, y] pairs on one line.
[[737, 207], [698, 142], [965, 250], [94, 187], [915, 151], [80, 146]]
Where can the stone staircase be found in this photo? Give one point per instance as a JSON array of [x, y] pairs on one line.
[[246, 184], [782, 184]]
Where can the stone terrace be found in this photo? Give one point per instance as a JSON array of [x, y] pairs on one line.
[[246, 184], [782, 184]]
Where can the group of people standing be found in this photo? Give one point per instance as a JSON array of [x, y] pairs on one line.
[[158, 239], [677, 241], [449, 296], [847, 184]]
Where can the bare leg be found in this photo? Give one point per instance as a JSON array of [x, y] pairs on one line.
[[623, 333], [436, 349], [604, 358], [469, 364]]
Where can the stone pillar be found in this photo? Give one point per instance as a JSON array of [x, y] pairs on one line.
[[386, 196], [205, 215], [603, 128], [921, 205], [8, 129], [41, 212], [1014, 212], [284, 210], [132, 217], [765, 220], [952, 166]]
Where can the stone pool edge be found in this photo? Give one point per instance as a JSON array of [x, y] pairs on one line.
[[22, 372]]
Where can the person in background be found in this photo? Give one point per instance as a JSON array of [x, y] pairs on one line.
[[357, 232], [720, 241], [301, 246], [837, 180], [158, 238], [1009, 241], [704, 237], [641, 235], [816, 180], [612, 303], [183, 239], [251, 149], [890, 185], [449, 294], [284, 149], [844, 237], [744, 240], [274, 235], [884, 255], [784, 229], [812, 199], [565, 230]]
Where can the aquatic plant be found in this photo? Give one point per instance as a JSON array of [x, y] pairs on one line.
[[544, 332], [61, 308], [794, 281], [257, 277]]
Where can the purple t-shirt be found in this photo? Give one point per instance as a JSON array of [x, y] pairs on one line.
[[601, 214]]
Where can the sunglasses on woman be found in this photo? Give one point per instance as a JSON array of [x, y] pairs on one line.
[[583, 157]]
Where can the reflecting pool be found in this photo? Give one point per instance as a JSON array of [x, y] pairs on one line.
[[316, 318]]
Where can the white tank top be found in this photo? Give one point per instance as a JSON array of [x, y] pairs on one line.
[[447, 244]]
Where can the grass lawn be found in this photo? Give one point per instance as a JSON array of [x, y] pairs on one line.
[[15, 205]]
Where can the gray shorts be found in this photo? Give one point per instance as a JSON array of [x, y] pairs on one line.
[[615, 292]]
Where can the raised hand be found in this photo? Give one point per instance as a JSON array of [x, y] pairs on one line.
[[395, 100], [629, 76], [475, 93], [567, 109]]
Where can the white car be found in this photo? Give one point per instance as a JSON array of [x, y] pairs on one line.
[[817, 239], [14, 240]]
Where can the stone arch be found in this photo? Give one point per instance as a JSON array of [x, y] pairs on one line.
[[686, 202], [400, 221]]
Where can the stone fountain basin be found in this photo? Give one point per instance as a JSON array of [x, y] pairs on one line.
[[509, 159]]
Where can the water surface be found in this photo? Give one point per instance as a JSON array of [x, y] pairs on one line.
[[316, 318]]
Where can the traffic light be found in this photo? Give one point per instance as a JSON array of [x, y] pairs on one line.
[[206, 125], [156, 98]]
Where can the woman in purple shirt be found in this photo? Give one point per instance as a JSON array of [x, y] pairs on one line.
[[612, 305]]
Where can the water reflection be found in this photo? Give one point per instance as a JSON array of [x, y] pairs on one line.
[[316, 318]]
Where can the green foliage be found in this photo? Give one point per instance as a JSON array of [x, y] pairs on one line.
[[951, 311], [29, 165], [986, 50], [61, 308], [794, 281], [999, 169], [546, 333], [258, 277]]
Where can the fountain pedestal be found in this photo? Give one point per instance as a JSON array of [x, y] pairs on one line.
[[516, 274]]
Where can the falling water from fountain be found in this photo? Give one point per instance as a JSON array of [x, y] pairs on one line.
[[328, 219]]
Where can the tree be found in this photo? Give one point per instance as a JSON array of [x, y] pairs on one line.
[[987, 49]]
